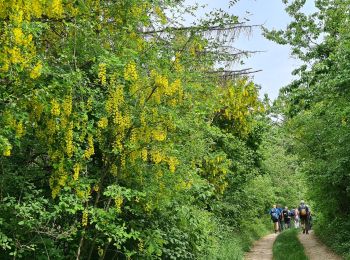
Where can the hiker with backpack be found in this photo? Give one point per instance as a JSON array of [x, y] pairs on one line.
[[304, 213], [280, 218], [286, 217], [274, 213]]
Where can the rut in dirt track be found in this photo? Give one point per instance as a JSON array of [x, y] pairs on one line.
[[315, 250], [262, 249]]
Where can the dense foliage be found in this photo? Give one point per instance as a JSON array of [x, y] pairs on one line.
[[121, 136], [316, 110]]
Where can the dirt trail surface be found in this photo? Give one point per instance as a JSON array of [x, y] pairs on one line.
[[262, 249], [315, 250]]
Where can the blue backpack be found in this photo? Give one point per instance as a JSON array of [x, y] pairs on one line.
[[274, 214], [292, 213]]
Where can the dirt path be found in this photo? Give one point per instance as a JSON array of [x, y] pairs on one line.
[[262, 249], [315, 250]]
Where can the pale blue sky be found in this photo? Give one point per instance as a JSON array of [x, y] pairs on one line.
[[276, 62]]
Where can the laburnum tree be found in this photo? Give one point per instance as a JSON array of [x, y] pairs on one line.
[[110, 116]]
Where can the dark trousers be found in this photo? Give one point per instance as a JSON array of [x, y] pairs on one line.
[[305, 224]]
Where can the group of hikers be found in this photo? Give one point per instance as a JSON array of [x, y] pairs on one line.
[[283, 218]]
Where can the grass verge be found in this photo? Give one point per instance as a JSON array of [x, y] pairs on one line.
[[234, 244], [288, 247]]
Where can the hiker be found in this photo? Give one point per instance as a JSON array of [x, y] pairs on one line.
[[286, 217], [280, 218], [274, 213], [296, 218], [304, 214]]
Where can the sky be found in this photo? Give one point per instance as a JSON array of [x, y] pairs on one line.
[[275, 60]]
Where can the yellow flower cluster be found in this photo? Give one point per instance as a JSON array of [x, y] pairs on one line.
[[90, 150], [102, 73], [159, 134], [102, 123], [36, 8], [118, 203], [84, 219], [115, 99], [19, 130], [54, 191], [17, 15], [55, 108], [144, 154], [130, 72], [69, 140], [143, 119], [36, 71], [7, 149], [59, 177], [161, 81], [67, 105], [5, 67], [156, 156], [172, 162], [76, 170], [62, 179], [89, 104], [133, 135], [18, 35], [124, 121], [51, 126], [177, 64], [16, 56], [117, 145], [122, 161], [56, 9], [134, 155]]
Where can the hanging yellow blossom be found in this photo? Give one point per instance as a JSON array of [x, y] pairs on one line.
[[15, 55], [76, 170], [56, 8], [172, 162], [156, 156], [90, 150], [18, 35], [55, 108], [84, 219], [7, 149], [144, 154], [36, 9], [159, 135], [118, 203], [102, 73], [19, 130], [102, 123], [69, 140], [130, 72], [67, 105]]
